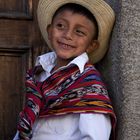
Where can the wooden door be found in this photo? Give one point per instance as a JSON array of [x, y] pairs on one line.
[[20, 43]]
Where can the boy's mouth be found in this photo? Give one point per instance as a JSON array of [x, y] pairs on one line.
[[65, 45]]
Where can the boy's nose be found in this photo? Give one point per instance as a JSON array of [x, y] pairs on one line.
[[68, 34]]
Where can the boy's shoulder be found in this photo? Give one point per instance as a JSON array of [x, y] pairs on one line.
[[91, 72], [91, 67], [32, 73]]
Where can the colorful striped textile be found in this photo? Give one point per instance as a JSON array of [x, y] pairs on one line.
[[65, 91]]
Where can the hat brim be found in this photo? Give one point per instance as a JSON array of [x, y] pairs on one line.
[[102, 12]]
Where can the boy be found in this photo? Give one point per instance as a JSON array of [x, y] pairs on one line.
[[67, 99]]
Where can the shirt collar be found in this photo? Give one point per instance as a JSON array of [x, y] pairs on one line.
[[80, 61], [47, 61]]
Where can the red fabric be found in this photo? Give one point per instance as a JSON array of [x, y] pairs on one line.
[[65, 91]]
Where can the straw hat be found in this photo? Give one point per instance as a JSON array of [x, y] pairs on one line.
[[103, 13]]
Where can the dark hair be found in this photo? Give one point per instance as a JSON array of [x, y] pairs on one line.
[[76, 8]]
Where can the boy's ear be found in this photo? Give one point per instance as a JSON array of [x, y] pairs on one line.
[[48, 29], [93, 46]]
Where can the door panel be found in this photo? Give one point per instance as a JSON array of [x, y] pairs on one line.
[[11, 90], [14, 34], [20, 43], [18, 9]]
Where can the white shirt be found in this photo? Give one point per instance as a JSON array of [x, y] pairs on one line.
[[91, 126]]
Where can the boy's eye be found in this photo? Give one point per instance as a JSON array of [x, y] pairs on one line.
[[80, 32], [60, 26]]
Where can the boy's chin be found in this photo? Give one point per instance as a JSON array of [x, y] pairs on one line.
[[66, 58]]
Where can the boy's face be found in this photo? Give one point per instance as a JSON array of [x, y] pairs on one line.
[[71, 34]]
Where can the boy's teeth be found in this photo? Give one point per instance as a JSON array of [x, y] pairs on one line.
[[66, 46]]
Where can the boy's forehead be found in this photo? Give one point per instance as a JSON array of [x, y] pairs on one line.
[[68, 14], [74, 8], [66, 11]]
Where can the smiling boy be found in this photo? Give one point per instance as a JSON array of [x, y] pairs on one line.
[[68, 100], [71, 34]]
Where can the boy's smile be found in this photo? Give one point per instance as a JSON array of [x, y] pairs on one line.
[[70, 35]]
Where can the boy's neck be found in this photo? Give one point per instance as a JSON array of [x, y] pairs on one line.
[[61, 63]]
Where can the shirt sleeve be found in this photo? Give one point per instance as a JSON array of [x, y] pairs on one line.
[[16, 137], [95, 126]]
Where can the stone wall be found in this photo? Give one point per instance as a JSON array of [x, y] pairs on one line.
[[121, 68]]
